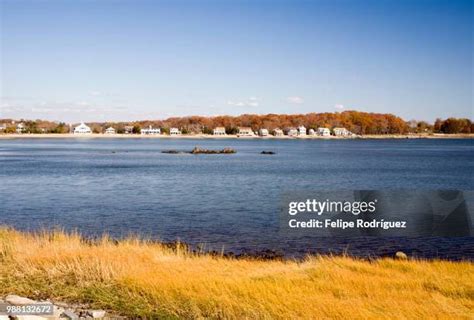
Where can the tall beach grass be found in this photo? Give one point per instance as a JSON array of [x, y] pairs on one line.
[[139, 278]]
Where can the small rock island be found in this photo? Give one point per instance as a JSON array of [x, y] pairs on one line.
[[198, 150]]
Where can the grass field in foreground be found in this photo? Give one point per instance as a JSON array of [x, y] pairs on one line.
[[139, 278]]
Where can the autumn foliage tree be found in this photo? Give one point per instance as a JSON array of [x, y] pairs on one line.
[[453, 125]]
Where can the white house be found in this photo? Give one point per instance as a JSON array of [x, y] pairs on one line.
[[301, 131], [3, 127], [175, 132], [82, 129], [324, 132], [311, 132], [341, 132], [246, 132], [110, 130], [150, 130], [20, 128], [263, 132], [128, 129], [278, 132], [292, 132], [219, 131]]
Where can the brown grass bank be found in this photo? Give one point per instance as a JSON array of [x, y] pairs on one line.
[[142, 279]]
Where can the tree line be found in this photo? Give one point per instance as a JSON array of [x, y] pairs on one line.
[[448, 126], [355, 121]]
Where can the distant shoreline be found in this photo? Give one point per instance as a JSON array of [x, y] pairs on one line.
[[205, 136]]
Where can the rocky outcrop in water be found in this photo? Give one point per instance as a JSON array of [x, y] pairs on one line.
[[198, 150]]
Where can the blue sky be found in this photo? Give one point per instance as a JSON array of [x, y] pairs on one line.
[[128, 60]]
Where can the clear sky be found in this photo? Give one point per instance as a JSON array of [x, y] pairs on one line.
[[127, 60]]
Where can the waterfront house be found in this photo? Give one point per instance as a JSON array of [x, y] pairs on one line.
[[301, 131], [150, 131], [219, 131], [175, 132], [342, 132], [278, 132], [110, 130], [311, 132], [82, 129], [20, 128], [128, 129], [263, 132], [246, 132], [292, 132], [324, 132], [3, 127]]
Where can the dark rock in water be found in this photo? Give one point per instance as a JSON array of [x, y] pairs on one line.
[[267, 152], [263, 254], [198, 150], [171, 151]]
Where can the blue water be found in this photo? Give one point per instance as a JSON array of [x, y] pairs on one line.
[[124, 186]]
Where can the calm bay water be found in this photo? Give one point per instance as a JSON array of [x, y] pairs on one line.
[[124, 186]]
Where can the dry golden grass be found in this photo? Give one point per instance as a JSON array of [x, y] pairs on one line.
[[143, 279]]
